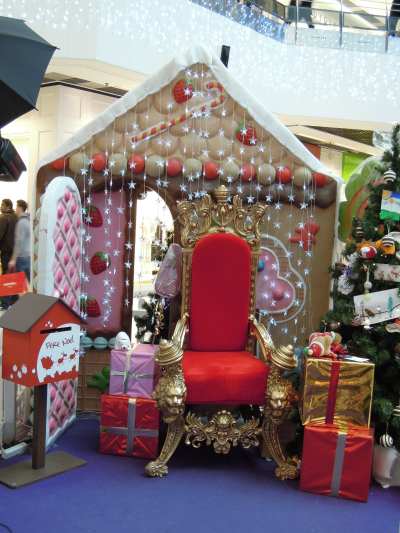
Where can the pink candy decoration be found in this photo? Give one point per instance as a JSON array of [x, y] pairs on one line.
[[74, 207], [67, 226], [72, 241], [60, 212], [66, 258], [59, 244], [67, 196]]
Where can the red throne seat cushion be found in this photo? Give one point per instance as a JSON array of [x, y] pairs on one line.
[[225, 378], [220, 293]]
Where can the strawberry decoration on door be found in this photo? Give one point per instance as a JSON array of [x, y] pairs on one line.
[[100, 262]]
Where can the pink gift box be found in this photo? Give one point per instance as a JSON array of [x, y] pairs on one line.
[[132, 372]]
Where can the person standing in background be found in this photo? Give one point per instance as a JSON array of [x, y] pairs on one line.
[[394, 17], [21, 257], [8, 221]]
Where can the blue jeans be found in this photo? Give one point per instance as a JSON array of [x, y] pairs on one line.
[[23, 264]]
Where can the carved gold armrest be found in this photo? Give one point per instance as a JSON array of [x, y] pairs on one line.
[[282, 357], [178, 337], [170, 392]]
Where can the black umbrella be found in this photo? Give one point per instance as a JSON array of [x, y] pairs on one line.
[[24, 57]]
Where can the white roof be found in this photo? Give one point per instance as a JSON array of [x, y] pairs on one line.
[[162, 78]]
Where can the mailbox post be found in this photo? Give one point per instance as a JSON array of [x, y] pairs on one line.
[[40, 346]]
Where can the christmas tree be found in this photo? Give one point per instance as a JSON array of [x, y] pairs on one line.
[[371, 265]]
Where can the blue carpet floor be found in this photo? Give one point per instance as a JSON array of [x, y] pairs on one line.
[[203, 493]]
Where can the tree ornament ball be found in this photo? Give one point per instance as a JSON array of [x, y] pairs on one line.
[[78, 161], [334, 325], [386, 440], [155, 166], [320, 180], [99, 162], [60, 164], [368, 252], [368, 286], [302, 176], [266, 174], [396, 411], [174, 167], [136, 164], [210, 170], [389, 176], [283, 174], [247, 172], [118, 163]]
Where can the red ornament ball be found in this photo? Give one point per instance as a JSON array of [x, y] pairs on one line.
[[320, 180], [368, 252], [60, 164], [278, 294], [210, 170], [136, 163], [247, 172], [99, 162], [174, 167], [283, 174]]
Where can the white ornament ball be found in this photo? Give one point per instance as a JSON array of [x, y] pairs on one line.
[[117, 163], [396, 411], [389, 176], [386, 441], [192, 167], [266, 174], [78, 161], [367, 285], [230, 172], [155, 166], [302, 176]]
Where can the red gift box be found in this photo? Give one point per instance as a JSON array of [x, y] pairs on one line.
[[337, 462], [129, 426], [12, 284]]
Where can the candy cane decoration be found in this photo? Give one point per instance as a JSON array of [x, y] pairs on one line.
[[190, 113]]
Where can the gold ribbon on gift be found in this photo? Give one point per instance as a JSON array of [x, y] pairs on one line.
[[353, 398], [130, 431]]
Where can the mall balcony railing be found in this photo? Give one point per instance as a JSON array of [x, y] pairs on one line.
[[272, 17], [366, 16]]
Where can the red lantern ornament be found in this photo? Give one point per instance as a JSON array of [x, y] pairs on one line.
[[247, 172], [283, 174], [174, 167], [210, 170], [136, 164], [60, 164], [368, 252], [320, 180], [99, 162]]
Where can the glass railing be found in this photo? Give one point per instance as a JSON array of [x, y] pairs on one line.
[[273, 18]]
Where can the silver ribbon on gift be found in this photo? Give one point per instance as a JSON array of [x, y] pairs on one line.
[[338, 464], [131, 431], [129, 374]]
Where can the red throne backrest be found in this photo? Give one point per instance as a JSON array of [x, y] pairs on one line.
[[220, 293]]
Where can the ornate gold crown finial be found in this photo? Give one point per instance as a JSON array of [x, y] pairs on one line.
[[221, 194], [284, 357], [169, 353], [206, 216]]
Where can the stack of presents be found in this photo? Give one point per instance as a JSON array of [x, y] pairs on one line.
[[129, 420], [336, 409]]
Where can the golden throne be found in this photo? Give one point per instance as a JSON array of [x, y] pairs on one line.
[[214, 368]]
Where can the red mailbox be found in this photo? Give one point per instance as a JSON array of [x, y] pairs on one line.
[[40, 341]]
